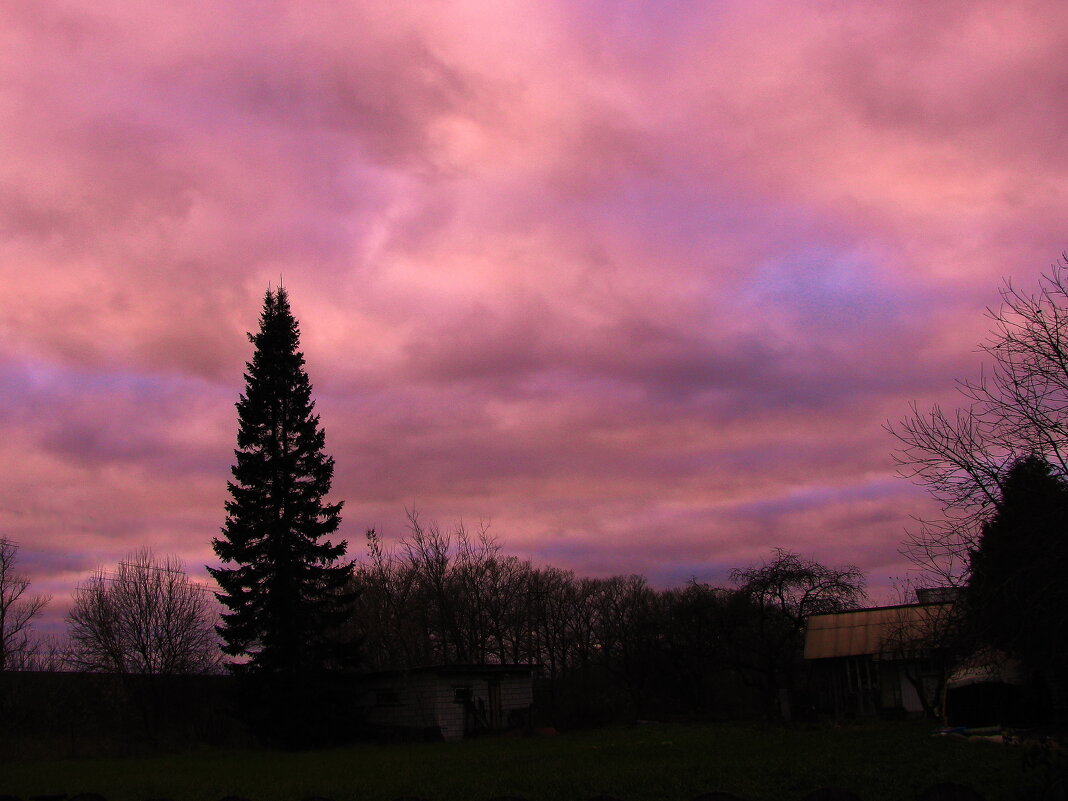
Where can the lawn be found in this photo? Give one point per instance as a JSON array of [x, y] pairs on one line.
[[879, 761]]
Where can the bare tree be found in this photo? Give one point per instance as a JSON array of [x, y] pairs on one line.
[[146, 621], [47, 654], [17, 611], [927, 637], [771, 606], [795, 587], [1017, 407], [390, 621], [147, 618], [629, 635]]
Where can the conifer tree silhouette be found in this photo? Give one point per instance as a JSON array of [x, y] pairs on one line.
[[287, 589]]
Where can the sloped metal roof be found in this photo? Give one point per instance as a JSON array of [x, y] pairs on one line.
[[882, 632]]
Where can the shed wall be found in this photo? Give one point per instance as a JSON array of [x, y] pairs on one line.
[[456, 718], [416, 704], [426, 700]]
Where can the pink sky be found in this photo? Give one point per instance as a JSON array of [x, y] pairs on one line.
[[637, 284]]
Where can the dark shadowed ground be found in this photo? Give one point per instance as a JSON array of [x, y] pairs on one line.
[[879, 761]]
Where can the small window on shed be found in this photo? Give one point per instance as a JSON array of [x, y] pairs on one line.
[[461, 695]]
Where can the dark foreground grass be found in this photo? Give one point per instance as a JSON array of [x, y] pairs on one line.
[[879, 761]]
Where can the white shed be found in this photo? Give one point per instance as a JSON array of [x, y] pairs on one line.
[[455, 700]]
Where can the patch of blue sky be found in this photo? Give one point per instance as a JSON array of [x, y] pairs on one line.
[[823, 286], [806, 498], [40, 376]]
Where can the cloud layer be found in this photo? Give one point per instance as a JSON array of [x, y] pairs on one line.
[[637, 284]]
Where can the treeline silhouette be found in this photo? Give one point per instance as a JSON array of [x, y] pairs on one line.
[[609, 648], [606, 649]]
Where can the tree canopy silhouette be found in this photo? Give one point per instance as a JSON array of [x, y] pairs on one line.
[[1016, 594]]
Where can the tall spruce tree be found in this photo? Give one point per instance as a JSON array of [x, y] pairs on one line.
[[288, 591]]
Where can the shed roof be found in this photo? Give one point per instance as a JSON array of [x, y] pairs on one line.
[[871, 631]]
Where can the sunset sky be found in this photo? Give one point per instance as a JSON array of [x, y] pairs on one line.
[[637, 284]]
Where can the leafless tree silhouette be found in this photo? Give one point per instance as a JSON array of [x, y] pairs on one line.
[[148, 618], [17, 611], [777, 598], [147, 621]]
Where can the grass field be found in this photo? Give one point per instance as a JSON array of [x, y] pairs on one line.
[[879, 761]]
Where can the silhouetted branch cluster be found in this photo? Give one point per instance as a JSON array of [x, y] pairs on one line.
[[147, 619]]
